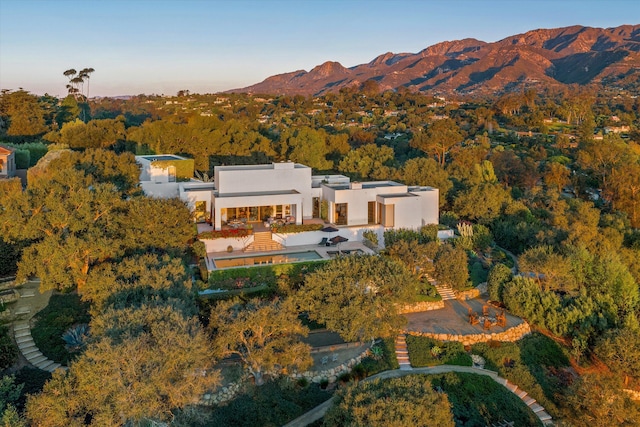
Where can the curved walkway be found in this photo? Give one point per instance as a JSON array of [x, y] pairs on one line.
[[29, 303], [319, 411]]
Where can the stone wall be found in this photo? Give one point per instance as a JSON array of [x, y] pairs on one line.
[[510, 335], [472, 293], [421, 306], [229, 391]]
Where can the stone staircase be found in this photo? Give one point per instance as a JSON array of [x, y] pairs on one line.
[[22, 334], [262, 242], [445, 292], [402, 354], [528, 400]]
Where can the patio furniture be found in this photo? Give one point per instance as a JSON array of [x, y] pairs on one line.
[[324, 242], [485, 310], [334, 357], [473, 318], [501, 319], [486, 324], [324, 360]]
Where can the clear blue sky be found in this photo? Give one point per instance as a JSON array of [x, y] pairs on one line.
[[162, 46]]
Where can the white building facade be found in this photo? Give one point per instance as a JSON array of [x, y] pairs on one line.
[[289, 191]]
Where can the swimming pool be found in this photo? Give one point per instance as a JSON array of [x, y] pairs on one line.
[[248, 261]]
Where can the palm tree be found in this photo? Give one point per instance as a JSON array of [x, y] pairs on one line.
[[70, 74], [86, 73]]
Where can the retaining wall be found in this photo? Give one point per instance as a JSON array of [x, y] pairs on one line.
[[510, 335]]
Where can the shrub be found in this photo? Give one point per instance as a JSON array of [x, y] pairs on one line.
[[62, 312], [295, 228], [235, 233], [387, 362], [496, 279], [371, 236], [199, 249], [8, 351]]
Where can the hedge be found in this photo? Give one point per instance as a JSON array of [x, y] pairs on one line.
[[296, 228]]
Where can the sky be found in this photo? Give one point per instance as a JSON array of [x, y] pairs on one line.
[[208, 46]]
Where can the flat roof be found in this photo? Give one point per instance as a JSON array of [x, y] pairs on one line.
[[372, 184], [257, 167], [257, 193], [161, 157], [393, 196]]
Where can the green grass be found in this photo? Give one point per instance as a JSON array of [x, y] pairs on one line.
[[371, 366], [272, 404], [425, 351], [479, 401], [534, 363], [63, 311]]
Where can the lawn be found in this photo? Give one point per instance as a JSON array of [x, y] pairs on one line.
[[425, 351], [272, 404], [63, 311], [536, 363], [479, 401]]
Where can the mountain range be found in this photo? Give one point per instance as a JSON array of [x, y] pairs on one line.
[[561, 56]]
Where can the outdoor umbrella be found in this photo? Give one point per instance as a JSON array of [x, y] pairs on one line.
[[329, 229], [337, 240]]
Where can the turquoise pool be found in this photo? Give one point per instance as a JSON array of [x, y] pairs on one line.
[[250, 261]]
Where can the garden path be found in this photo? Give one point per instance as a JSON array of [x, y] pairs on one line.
[[319, 411], [30, 302]]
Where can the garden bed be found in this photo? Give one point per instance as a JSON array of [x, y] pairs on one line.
[[425, 351], [62, 312]]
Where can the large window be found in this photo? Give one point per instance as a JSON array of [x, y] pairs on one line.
[[341, 214], [371, 213]]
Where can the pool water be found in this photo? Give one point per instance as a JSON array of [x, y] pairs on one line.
[[248, 261]]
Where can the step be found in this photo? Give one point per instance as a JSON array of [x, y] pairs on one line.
[[31, 352], [37, 359], [54, 367], [22, 333], [521, 394], [27, 293], [23, 346], [45, 365], [544, 416], [536, 408], [512, 387], [21, 327], [529, 400], [21, 340], [23, 310]]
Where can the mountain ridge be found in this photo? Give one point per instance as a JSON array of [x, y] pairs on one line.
[[556, 56]]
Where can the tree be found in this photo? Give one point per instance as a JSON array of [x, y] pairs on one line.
[[597, 401], [498, 276], [358, 297], [619, 349], [25, 114], [406, 401], [139, 280], [146, 362], [426, 171], [439, 138], [265, 335], [451, 267], [368, 162], [413, 254]]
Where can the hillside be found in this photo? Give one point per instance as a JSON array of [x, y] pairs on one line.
[[560, 56]]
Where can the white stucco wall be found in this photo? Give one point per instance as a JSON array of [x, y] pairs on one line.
[[165, 190], [264, 178]]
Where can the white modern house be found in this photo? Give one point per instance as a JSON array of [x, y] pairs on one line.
[[7, 162], [286, 192]]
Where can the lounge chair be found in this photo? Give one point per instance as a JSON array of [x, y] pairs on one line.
[[324, 242]]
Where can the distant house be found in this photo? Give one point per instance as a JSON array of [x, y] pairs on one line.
[[7, 162], [617, 129]]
